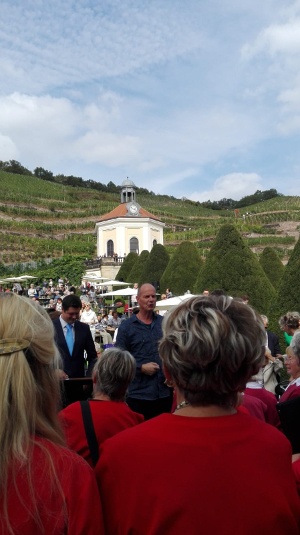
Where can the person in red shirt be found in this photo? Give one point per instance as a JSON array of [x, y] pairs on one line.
[[256, 390], [45, 488], [292, 363], [112, 375], [206, 468]]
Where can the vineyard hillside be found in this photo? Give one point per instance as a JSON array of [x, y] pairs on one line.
[[41, 219]]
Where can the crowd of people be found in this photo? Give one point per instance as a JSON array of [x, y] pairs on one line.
[[181, 435]]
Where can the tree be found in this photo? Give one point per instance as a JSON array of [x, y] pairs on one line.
[[126, 267], [14, 167], [233, 267], [138, 266], [288, 297], [181, 272], [44, 174], [272, 266], [155, 265]]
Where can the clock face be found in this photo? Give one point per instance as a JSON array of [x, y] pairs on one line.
[[133, 209]]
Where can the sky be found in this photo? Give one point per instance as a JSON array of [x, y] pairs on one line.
[[196, 99]]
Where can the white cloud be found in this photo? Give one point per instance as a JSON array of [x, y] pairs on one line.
[[231, 186], [162, 184], [8, 150], [61, 42], [277, 38]]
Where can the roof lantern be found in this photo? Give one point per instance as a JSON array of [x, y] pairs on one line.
[[128, 191]]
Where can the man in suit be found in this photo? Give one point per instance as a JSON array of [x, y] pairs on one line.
[[272, 340], [73, 338]]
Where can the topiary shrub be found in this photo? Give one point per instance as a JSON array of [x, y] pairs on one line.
[[155, 265], [272, 266], [126, 267], [182, 270], [138, 266], [288, 296], [233, 267]]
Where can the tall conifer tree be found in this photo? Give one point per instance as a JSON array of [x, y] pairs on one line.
[[181, 272], [233, 267]]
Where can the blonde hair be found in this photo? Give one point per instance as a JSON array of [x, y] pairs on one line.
[[29, 391], [211, 346]]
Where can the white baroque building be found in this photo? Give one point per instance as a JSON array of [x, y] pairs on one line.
[[128, 228]]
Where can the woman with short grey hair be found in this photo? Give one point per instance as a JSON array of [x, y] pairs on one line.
[[292, 363], [289, 323], [112, 375], [203, 469]]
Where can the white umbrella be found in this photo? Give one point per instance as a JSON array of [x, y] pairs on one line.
[[166, 304], [114, 283], [94, 278], [25, 277], [125, 291], [12, 279]]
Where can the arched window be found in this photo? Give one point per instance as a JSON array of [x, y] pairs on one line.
[[154, 242], [134, 245], [110, 248]]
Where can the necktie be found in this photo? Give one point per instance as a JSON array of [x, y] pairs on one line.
[[69, 338]]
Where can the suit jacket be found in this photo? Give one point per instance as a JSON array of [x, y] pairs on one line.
[[273, 344], [73, 365]]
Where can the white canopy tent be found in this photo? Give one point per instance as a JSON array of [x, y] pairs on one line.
[[166, 304]]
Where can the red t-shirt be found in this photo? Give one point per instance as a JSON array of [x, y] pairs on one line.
[[178, 475], [82, 513], [270, 400], [109, 418]]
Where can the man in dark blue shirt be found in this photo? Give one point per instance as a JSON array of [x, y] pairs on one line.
[[140, 335]]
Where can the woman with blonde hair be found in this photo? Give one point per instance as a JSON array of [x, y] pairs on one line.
[[207, 468], [44, 488]]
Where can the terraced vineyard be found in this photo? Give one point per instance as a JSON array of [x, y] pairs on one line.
[[40, 219]]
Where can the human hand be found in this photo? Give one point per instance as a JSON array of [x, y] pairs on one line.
[[150, 368], [62, 375]]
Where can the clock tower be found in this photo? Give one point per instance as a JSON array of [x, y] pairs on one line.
[[128, 228]]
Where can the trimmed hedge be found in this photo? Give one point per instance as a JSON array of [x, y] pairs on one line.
[[233, 267], [181, 272], [126, 267], [272, 266], [155, 265], [288, 297], [138, 266]]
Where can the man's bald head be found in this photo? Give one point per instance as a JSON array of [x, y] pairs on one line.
[[145, 287], [146, 298]]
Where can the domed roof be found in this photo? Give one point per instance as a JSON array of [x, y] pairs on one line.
[[128, 182]]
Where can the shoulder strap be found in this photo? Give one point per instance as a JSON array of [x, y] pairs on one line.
[[90, 431]]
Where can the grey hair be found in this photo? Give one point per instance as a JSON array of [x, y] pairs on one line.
[[265, 318], [295, 345], [211, 346], [114, 371], [290, 319]]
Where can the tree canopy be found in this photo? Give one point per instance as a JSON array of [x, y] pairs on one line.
[[126, 267], [272, 266], [181, 272], [155, 265], [233, 267], [138, 266]]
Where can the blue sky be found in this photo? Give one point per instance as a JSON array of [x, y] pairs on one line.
[[196, 99]]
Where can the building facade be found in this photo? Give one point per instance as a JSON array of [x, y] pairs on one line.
[[128, 228]]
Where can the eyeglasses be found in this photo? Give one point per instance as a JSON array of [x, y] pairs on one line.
[[289, 359]]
